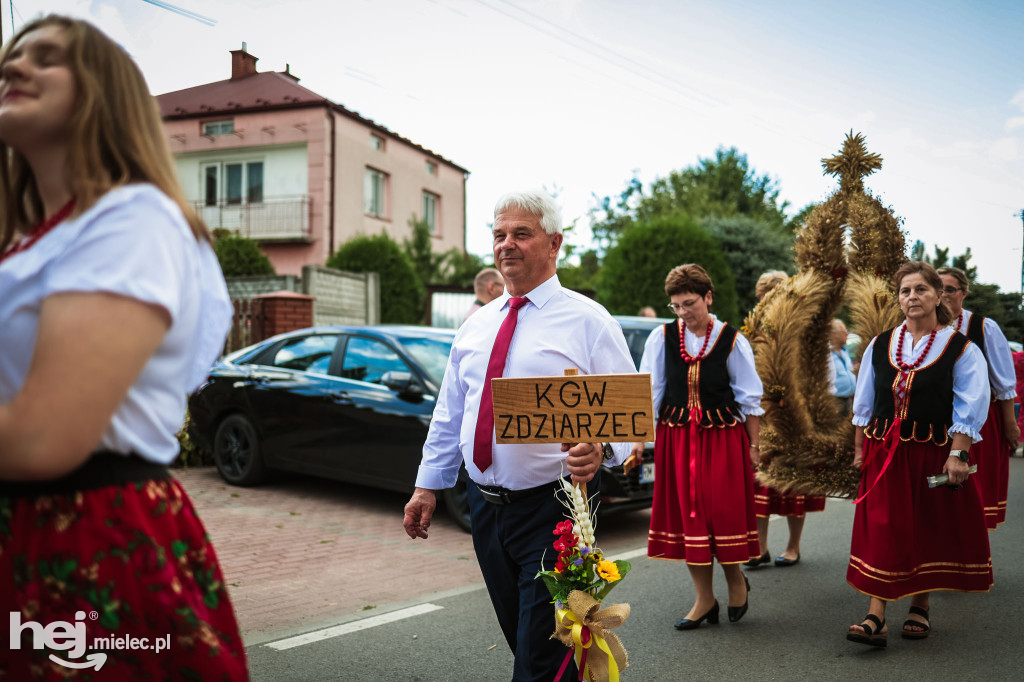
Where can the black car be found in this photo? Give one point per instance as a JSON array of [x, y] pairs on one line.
[[347, 403], [636, 330]]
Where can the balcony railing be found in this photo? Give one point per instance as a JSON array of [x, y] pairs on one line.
[[277, 218]]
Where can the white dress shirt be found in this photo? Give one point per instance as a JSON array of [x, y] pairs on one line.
[[558, 329], [970, 385], [743, 378], [1000, 358]]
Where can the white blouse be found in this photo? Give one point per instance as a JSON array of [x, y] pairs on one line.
[[743, 378], [970, 383], [133, 242], [1000, 358]]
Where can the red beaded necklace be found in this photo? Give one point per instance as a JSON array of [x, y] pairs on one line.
[[40, 229], [906, 366], [959, 320], [687, 358]]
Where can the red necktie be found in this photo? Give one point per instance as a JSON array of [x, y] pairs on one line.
[[495, 368]]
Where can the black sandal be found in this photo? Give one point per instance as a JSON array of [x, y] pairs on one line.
[[872, 635], [924, 627]]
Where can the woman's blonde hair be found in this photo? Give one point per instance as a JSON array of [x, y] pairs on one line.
[[117, 136], [768, 281]]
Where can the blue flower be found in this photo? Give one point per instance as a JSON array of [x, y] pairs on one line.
[[579, 562], [584, 551], [559, 604]]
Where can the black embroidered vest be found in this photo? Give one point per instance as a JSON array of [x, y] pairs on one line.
[[703, 384], [927, 410], [975, 332]]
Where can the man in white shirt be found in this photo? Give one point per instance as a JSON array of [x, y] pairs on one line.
[[488, 285], [511, 497]]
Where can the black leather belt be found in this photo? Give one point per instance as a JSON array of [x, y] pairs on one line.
[[501, 496], [100, 470]]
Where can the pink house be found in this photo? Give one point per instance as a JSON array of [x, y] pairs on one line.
[[263, 156]]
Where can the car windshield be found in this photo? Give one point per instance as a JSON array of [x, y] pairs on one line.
[[430, 353]]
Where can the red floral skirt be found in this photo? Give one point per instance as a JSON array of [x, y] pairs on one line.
[[992, 455], [703, 496], [768, 501], [128, 564], [909, 538]]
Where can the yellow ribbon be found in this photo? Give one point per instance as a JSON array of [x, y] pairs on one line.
[[576, 628]]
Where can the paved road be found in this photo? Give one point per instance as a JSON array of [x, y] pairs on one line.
[[287, 580]]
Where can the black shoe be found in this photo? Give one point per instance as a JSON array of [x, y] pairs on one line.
[[763, 559], [783, 561], [737, 612], [711, 617]]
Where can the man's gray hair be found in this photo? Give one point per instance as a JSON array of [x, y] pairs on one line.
[[537, 202]]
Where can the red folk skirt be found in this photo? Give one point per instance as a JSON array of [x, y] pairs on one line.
[[121, 561], [703, 496], [992, 455], [909, 538], [768, 501]]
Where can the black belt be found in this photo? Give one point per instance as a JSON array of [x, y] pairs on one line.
[[500, 496], [102, 469]]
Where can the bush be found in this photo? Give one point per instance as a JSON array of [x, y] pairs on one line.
[[240, 256], [190, 455], [751, 247], [402, 294], [634, 270]]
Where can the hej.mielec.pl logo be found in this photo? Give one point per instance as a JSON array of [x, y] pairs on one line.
[[71, 637]]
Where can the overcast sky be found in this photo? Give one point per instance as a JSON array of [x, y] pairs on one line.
[[579, 95]]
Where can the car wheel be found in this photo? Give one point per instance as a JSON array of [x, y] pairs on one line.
[[456, 501], [236, 450]]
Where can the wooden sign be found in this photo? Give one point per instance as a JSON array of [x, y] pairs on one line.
[[597, 408]]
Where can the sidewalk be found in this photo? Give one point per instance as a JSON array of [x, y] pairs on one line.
[[301, 551]]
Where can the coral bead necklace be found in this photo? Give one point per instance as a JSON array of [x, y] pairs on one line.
[[959, 320], [907, 366], [687, 358]]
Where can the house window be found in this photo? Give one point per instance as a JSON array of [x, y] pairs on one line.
[[233, 183], [375, 187], [219, 127], [431, 168], [376, 142], [430, 202]]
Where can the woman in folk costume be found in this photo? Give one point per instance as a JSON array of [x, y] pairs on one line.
[[768, 500], [922, 397], [1000, 434], [112, 308], [708, 397]]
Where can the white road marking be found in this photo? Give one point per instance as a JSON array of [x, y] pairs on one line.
[[355, 626]]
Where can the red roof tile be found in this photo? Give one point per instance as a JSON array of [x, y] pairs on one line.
[[261, 92]]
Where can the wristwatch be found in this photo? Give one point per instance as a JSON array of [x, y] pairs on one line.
[[962, 455], [607, 453]]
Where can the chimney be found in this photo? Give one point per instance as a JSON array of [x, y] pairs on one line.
[[243, 64]]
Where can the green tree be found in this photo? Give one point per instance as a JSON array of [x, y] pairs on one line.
[[582, 277], [402, 293], [420, 251], [751, 248], [722, 186], [634, 269], [240, 256]]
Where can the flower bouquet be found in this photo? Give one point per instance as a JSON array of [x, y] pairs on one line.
[[578, 583]]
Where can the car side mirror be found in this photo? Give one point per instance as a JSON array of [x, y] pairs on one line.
[[402, 382]]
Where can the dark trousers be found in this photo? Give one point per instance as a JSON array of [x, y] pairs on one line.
[[510, 541]]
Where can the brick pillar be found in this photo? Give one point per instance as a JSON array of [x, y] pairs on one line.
[[285, 311]]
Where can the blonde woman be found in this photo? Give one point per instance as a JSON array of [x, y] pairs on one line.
[[112, 308]]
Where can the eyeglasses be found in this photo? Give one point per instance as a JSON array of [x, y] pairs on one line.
[[952, 290], [675, 307]]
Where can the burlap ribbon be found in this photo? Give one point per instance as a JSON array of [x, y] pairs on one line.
[[581, 618]]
